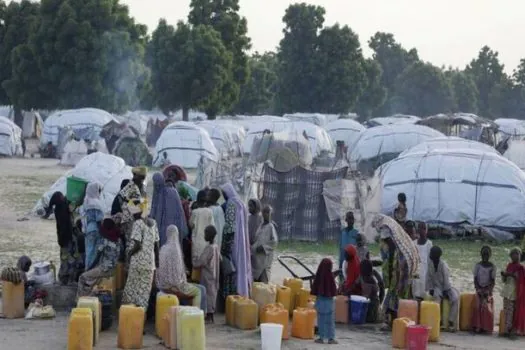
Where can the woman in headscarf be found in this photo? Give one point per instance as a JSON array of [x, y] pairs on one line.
[[171, 275], [513, 293], [116, 206], [166, 208], [400, 262], [142, 258], [218, 214], [201, 217], [484, 282], [92, 212], [351, 271], [324, 288], [107, 254], [255, 219], [263, 247], [71, 263], [235, 248]]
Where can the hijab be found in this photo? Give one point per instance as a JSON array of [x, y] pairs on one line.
[[116, 206], [353, 268], [92, 198], [62, 217], [324, 282], [172, 271], [166, 208], [109, 230], [254, 220], [241, 245]]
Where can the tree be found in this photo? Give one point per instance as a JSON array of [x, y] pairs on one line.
[[488, 73], [341, 68], [465, 91], [257, 95], [374, 94], [223, 16], [84, 53], [190, 67], [424, 90]]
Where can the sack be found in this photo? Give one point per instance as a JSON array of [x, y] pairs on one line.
[[227, 266]]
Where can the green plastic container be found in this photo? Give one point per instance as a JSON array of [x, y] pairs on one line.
[[75, 189]]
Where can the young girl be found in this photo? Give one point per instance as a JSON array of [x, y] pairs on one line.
[[369, 289], [484, 281], [513, 294], [209, 264], [325, 290]]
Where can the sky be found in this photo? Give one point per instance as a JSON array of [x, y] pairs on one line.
[[445, 32]]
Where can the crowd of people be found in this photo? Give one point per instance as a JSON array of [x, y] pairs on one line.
[[199, 250]]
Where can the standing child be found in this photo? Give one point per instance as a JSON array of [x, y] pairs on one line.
[[348, 236], [513, 294], [209, 264], [362, 250], [369, 289], [325, 290], [484, 281], [423, 245]]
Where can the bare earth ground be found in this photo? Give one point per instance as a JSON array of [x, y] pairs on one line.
[[25, 180]]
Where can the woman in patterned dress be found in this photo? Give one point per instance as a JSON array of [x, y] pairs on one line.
[[143, 259]]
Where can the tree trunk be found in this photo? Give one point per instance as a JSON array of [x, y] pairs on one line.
[[185, 114], [19, 117]]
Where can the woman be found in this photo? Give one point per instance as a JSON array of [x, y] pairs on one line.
[[71, 262], [92, 212], [255, 219], [105, 262], [142, 258], [235, 251], [263, 247], [201, 217], [171, 275], [351, 271], [513, 294], [484, 282], [218, 214], [166, 208], [400, 262]]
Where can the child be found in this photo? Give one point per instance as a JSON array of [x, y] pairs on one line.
[[351, 271], [484, 281], [439, 288], [370, 290], [263, 247], [513, 294], [325, 290], [410, 228], [362, 250], [348, 236], [209, 264], [401, 211], [423, 245]]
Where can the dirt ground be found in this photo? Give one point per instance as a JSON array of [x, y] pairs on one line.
[[25, 180]]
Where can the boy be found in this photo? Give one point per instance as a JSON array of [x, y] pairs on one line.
[[348, 236]]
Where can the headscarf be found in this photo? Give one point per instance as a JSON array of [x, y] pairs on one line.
[[254, 220], [172, 271], [140, 171], [92, 198], [324, 282], [241, 245], [109, 230], [353, 268], [166, 208], [385, 224], [62, 218], [116, 206]]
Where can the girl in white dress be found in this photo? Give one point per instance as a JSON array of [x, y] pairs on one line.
[[423, 245]]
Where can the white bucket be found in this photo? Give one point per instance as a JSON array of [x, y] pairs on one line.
[[271, 335]]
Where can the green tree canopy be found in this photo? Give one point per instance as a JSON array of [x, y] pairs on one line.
[[465, 91]]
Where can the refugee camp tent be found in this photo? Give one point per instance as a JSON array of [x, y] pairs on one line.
[[320, 141], [455, 186], [237, 133], [86, 123], [185, 143], [515, 128], [73, 152], [378, 145], [392, 120], [133, 150], [10, 138], [258, 128], [516, 153], [32, 125], [449, 142], [221, 137], [106, 169], [346, 130], [314, 118]]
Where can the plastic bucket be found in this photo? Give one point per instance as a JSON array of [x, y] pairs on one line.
[[417, 337], [358, 309], [75, 189], [271, 335]]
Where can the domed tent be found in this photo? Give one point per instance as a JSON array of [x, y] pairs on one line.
[[346, 130], [106, 169], [456, 186], [449, 142], [74, 151], [513, 128], [10, 138], [313, 118], [516, 153], [258, 129], [378, 145], [320, 142], [185, 144], [133, 150], [221, 137], [396, 119]]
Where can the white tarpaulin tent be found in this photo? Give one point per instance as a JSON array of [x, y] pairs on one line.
[[10, 138], [106, 169], [453, 186], [221, 136], [73, 152], [514, 128], [449, 142], [516, 153], [396, 119], [185, 143], [346, 130], [257, 129], [314, 118], [236, 131], [76, 119]]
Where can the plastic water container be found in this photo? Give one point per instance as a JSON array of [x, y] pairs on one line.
[[75, 189], [417, 337], [358, 309], [271, 336]]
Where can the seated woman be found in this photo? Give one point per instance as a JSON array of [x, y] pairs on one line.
[[171, 275]]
